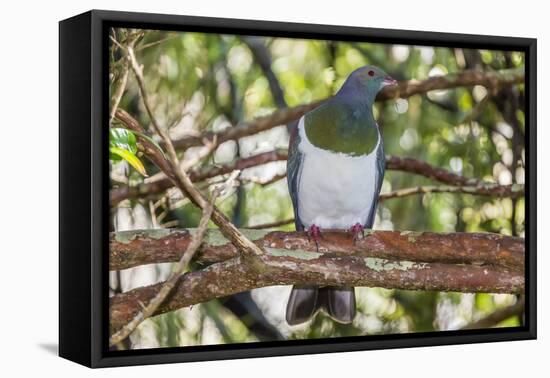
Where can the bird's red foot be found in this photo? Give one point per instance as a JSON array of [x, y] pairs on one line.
[[314, 232], [356, 230]]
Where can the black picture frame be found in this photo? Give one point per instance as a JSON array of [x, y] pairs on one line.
[[83, 196]]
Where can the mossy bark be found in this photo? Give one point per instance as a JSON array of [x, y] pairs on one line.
[[133, 248]]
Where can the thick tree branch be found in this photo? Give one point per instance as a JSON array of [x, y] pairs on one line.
[[490, 79], [133, 248], [283, 267]]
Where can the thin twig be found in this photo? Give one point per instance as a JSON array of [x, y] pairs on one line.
[[496, 190], [117, 97], [154, 218], [476, 111], [499, 315], [154, 43], [113, 39], [272, 224], [171, 224], [264, 182], [182, 180], [167, 287], [138, 72], [119, 91]]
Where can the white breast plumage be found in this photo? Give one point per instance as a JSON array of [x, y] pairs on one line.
[[335, 190]]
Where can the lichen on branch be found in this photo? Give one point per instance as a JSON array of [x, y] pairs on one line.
[[133, 248]]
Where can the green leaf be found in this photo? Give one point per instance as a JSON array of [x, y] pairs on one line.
[[130, 157], [122, 138]]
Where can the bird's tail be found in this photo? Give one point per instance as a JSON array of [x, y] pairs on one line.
[[304, 302]]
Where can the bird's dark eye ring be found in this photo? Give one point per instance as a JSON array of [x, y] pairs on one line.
[[371, 73]]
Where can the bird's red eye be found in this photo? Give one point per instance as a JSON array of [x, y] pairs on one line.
[[371, 73]]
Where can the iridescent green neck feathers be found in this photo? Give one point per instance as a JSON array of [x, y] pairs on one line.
[[342, 127]]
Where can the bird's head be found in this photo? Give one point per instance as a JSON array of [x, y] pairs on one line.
[[367, 80]]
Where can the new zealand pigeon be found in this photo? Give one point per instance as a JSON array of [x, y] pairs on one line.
[[335, 171]]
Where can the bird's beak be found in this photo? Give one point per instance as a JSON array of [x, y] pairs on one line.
[[388, 80]]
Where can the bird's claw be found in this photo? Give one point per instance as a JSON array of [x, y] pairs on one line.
[[356, 230], [314, 232]]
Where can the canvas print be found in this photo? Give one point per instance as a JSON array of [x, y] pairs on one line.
[[267, 189]]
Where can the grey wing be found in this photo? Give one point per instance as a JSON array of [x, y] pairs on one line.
[[380, 171], [293, 172]]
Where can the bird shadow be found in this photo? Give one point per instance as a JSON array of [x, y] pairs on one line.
[[51, 348]]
